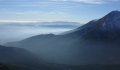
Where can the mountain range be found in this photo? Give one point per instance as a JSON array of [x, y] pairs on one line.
[[19, 57], [96, 42], [12, 58]]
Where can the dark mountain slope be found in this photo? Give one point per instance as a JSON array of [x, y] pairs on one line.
[[105, 28], [20, 57]]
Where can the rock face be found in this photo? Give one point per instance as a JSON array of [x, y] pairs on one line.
[[91, 43]]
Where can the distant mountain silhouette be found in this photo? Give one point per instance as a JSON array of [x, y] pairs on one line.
[[19, 57], [96, 42], [60, 24]]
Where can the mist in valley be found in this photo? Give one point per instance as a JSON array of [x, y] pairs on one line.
[[16, 31]]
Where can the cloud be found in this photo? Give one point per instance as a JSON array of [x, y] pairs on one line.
[[56, 1], [87, 1], [35, 16], [47, 2]]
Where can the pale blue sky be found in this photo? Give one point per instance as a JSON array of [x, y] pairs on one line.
[[55, 10]]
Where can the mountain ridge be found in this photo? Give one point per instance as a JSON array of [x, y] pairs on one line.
[[88, 44], [107, 27]]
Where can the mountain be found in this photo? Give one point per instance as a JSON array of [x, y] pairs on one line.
[[12, 58], [96, 42], [60, 24], [107, 28], [20, 57]]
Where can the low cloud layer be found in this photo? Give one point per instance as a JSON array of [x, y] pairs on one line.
[[17, 31]]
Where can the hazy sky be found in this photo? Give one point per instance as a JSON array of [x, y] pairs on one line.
[[48, 10], [55, 10]]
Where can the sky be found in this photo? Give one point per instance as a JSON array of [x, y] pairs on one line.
[[38, 11], [55, 10]]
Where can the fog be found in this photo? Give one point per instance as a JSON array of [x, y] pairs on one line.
[[10, 32]]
